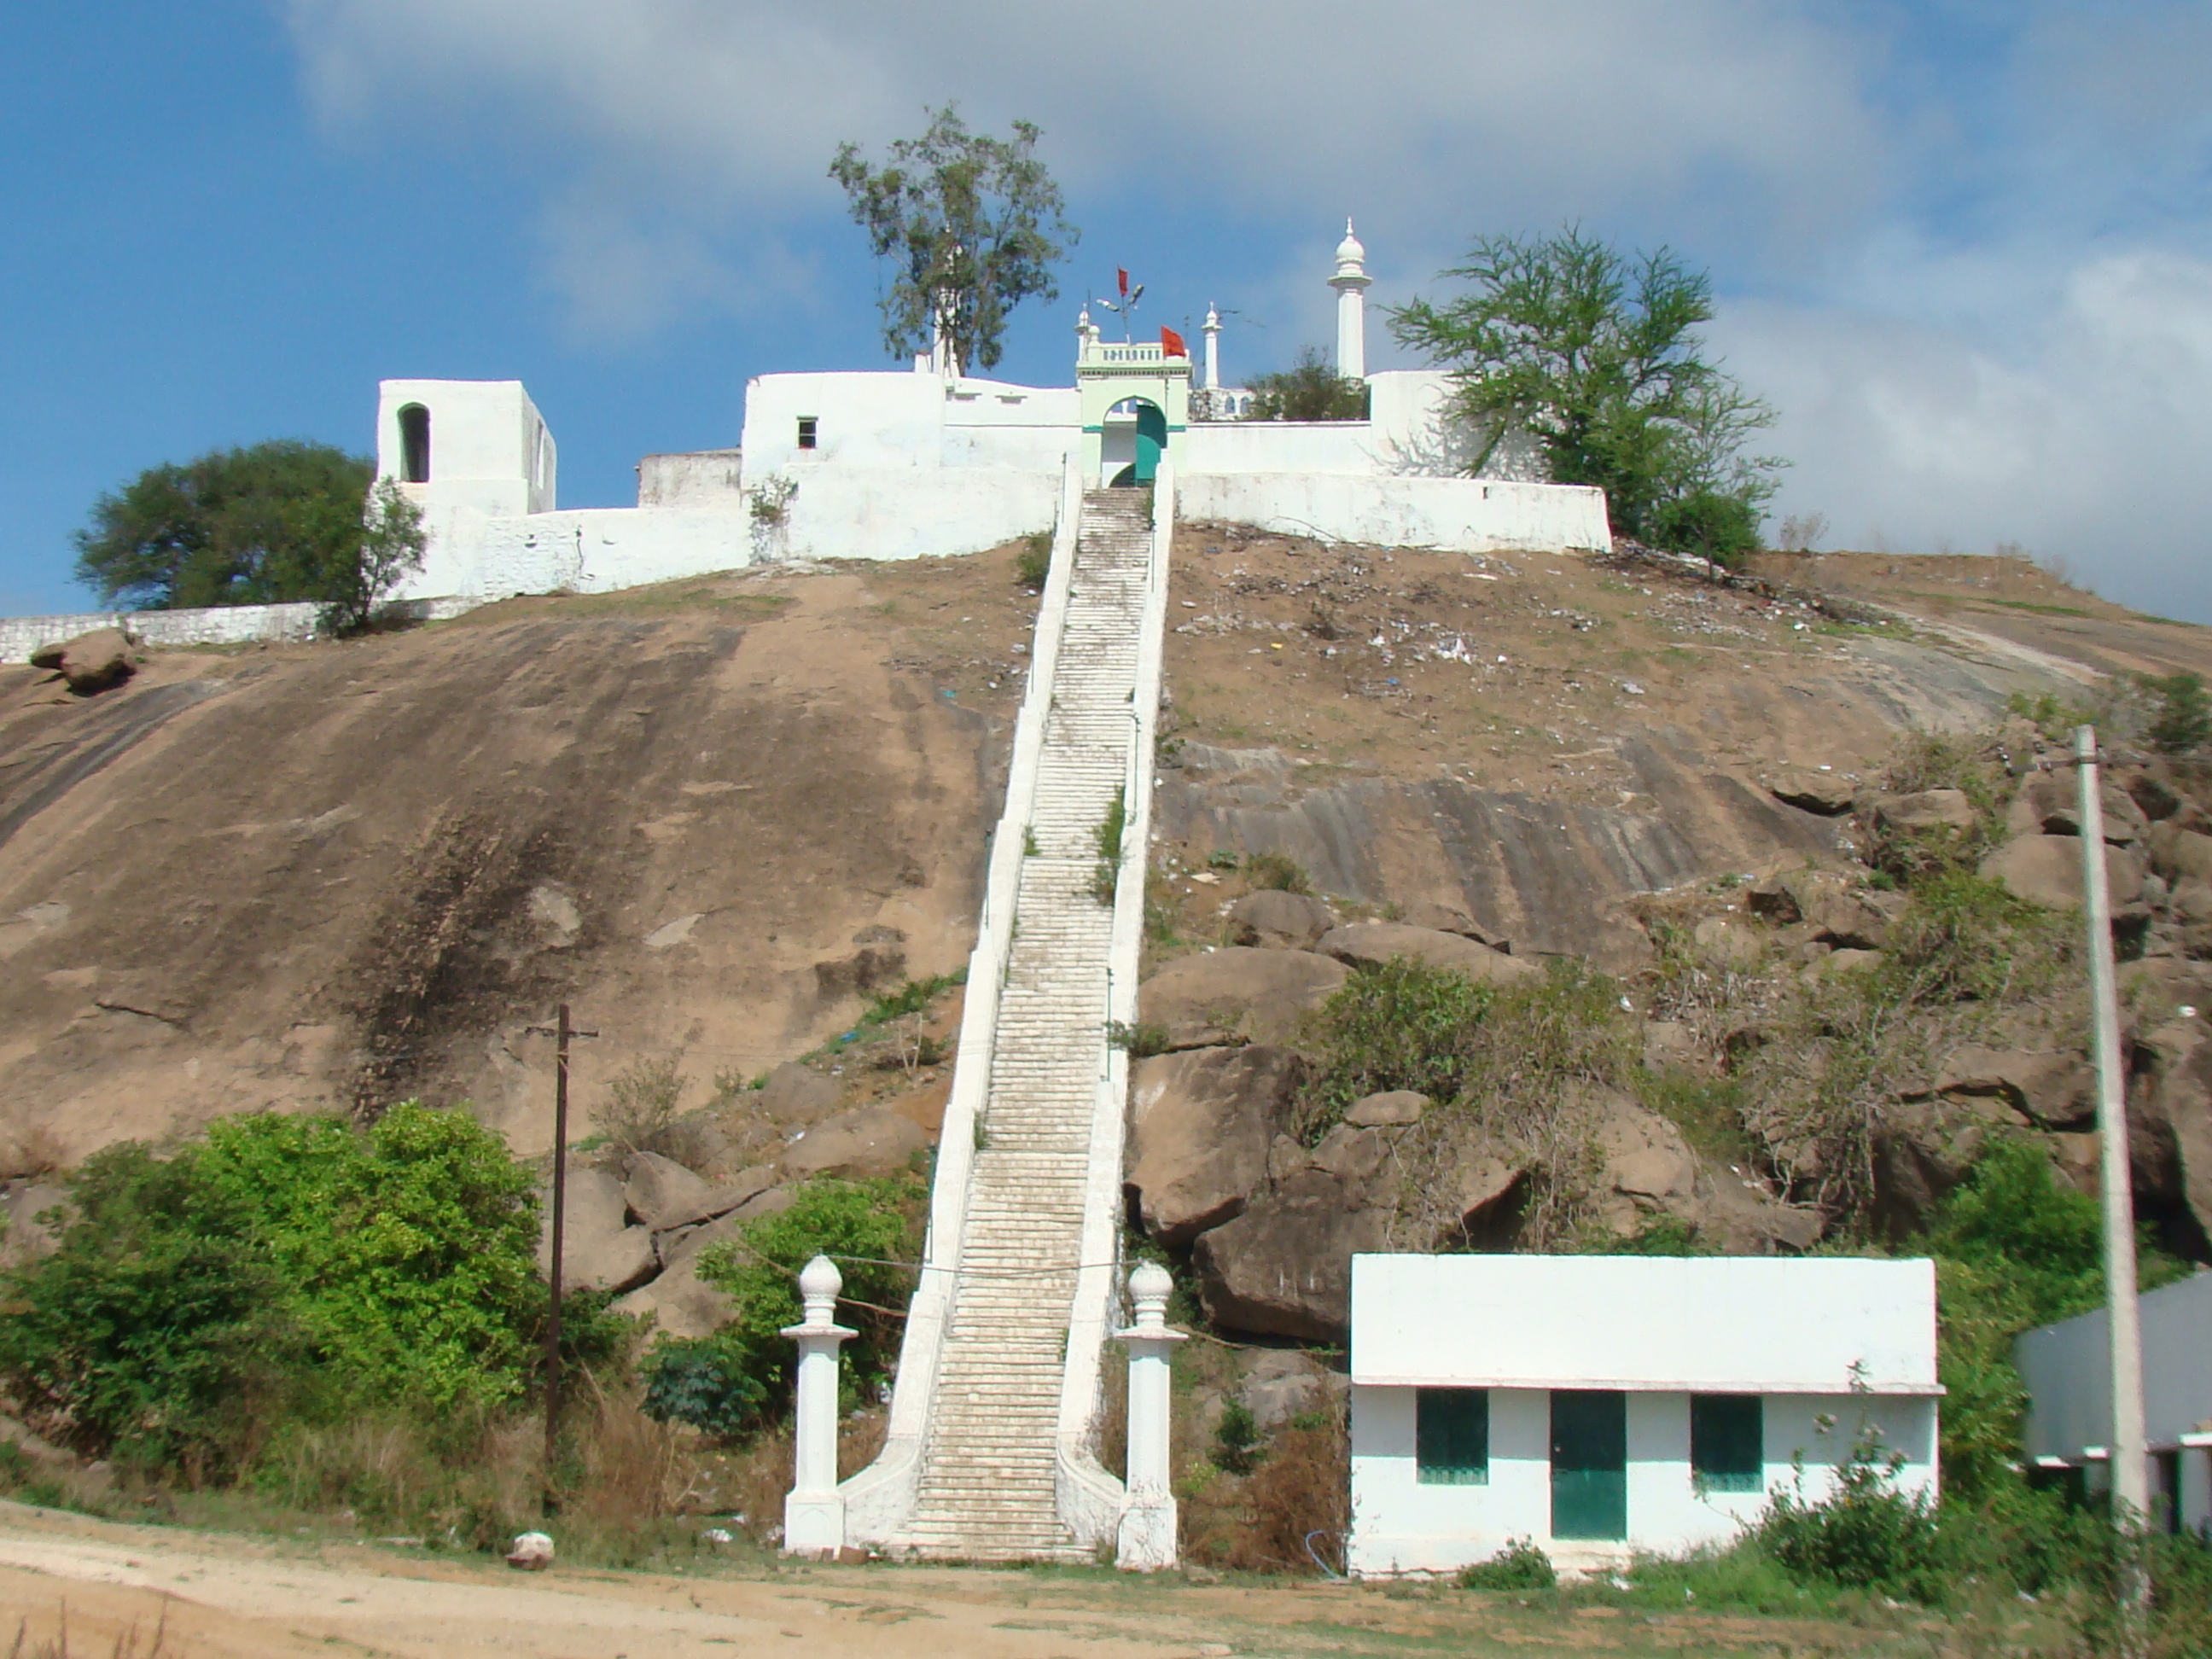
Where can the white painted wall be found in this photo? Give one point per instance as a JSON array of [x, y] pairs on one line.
[[227, 624], [866, 513], [895, 421], [1467, 515], [706, 477], [489, 447], [1401, 1526], [1278, 447], [1700, 1324]]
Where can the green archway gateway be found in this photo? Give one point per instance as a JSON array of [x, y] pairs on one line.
[[1151, 386]]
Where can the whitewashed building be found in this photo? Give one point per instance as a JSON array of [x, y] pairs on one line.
[[897, 465], [2068, 1369], [1603, 1405]]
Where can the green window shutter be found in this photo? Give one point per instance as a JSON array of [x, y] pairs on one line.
[[1728, 1442], [1451, 1437]]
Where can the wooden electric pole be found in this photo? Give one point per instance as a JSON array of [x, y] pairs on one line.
[[2128, 1461], [560, 1031]]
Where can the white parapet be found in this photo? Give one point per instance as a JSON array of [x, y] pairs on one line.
[[1458, 515]]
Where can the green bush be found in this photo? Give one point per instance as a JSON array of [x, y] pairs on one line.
[[1866, 1533], [1709, 524], [1519, 1566], [1236, 1438], [725, 1381], [1033, 564], [1276, 870], [2183, 724], [283, 1268]]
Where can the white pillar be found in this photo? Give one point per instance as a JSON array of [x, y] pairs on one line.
[[1351, 283], [1146, 1542], [814, 1513], [1213, 332]]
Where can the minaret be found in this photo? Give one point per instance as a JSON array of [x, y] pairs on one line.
[[1350, 282], [1213, 332]]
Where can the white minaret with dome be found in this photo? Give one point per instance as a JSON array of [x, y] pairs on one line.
[[1351, 283]]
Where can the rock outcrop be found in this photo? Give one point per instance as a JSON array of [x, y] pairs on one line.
[[1236, 994], [1371, 944], [1200, 1123]]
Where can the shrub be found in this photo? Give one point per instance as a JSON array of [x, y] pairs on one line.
[[1141, 1042], [2182, 723], [1866, 1533], [1106, 838], [1519, 1566], [728, 1380], [1709, 524], [1033, 564], [284, 1265], [641, 1103], [913, 997], [1236, 1438], [1277, 871]]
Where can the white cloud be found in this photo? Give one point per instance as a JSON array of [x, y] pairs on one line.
[[1258, 107], [2080, 435]]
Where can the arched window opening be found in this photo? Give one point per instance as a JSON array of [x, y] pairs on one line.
[[414, 444]]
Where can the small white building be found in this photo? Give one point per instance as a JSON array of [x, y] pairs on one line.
[[2068, 1369], [1604, 1406]]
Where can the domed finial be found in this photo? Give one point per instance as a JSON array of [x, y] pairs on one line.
[[819, 1281], [1349, 250], [1149, 1286]]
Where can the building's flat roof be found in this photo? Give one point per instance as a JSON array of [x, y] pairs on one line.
[[1695, 1324]]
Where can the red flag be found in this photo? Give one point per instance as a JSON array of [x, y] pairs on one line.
[[1171, 343], [1123, 278]]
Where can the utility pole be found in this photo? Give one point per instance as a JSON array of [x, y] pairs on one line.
[[560, 1031], [2129, 1464]]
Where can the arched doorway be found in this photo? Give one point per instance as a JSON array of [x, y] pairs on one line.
[[1136, 435], [414, 444]]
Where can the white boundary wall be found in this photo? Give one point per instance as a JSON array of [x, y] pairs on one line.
[[1458, 515], [879, 1499], [219, 624]]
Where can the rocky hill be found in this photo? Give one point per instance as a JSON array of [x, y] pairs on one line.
[[724, 819]]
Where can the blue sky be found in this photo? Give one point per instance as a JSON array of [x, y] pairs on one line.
[[1966, 247]]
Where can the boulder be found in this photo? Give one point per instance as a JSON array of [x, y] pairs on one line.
[[608, 1262], [661, 1193], [1427, 912], [1645, 1157], [1353, 1155], [91, 662], [1278, 920], [28, 1239], [1236, 994], [1845, 962], [595, 1212], [1395, 1108], [2048, 804], [2190, 900], [2057, 1089], [1277, 1384], [1924, 812], [1828, 793], [682, 1304], [1924, 1148], [868, 1140], [716, 1201], [1736, 1216], [1284, 1268], [2180, 854], [1795, 895], [1726, 940], [1371, 944], [1200, 1123], [795, 1093], [2171, 1121], [2047, 870]]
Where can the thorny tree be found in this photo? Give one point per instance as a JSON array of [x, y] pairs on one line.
[[1596, 355], [972, 225]]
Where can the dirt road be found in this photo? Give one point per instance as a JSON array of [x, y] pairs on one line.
[[219, 1595]]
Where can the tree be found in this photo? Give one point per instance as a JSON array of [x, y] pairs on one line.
[[972, 225], [391, 546], [1596, 355], [1310, 390], [279, 520]]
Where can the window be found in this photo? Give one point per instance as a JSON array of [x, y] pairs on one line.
[[1451, 1437], [1728, 1442], [808, 427], [414, 444]]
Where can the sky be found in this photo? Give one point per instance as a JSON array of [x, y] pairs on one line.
[[1963, 247]]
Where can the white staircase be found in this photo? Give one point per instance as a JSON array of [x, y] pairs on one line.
[[989, 1469]]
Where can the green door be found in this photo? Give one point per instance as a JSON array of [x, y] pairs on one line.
[[1589, 1463], [1151, 438]]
